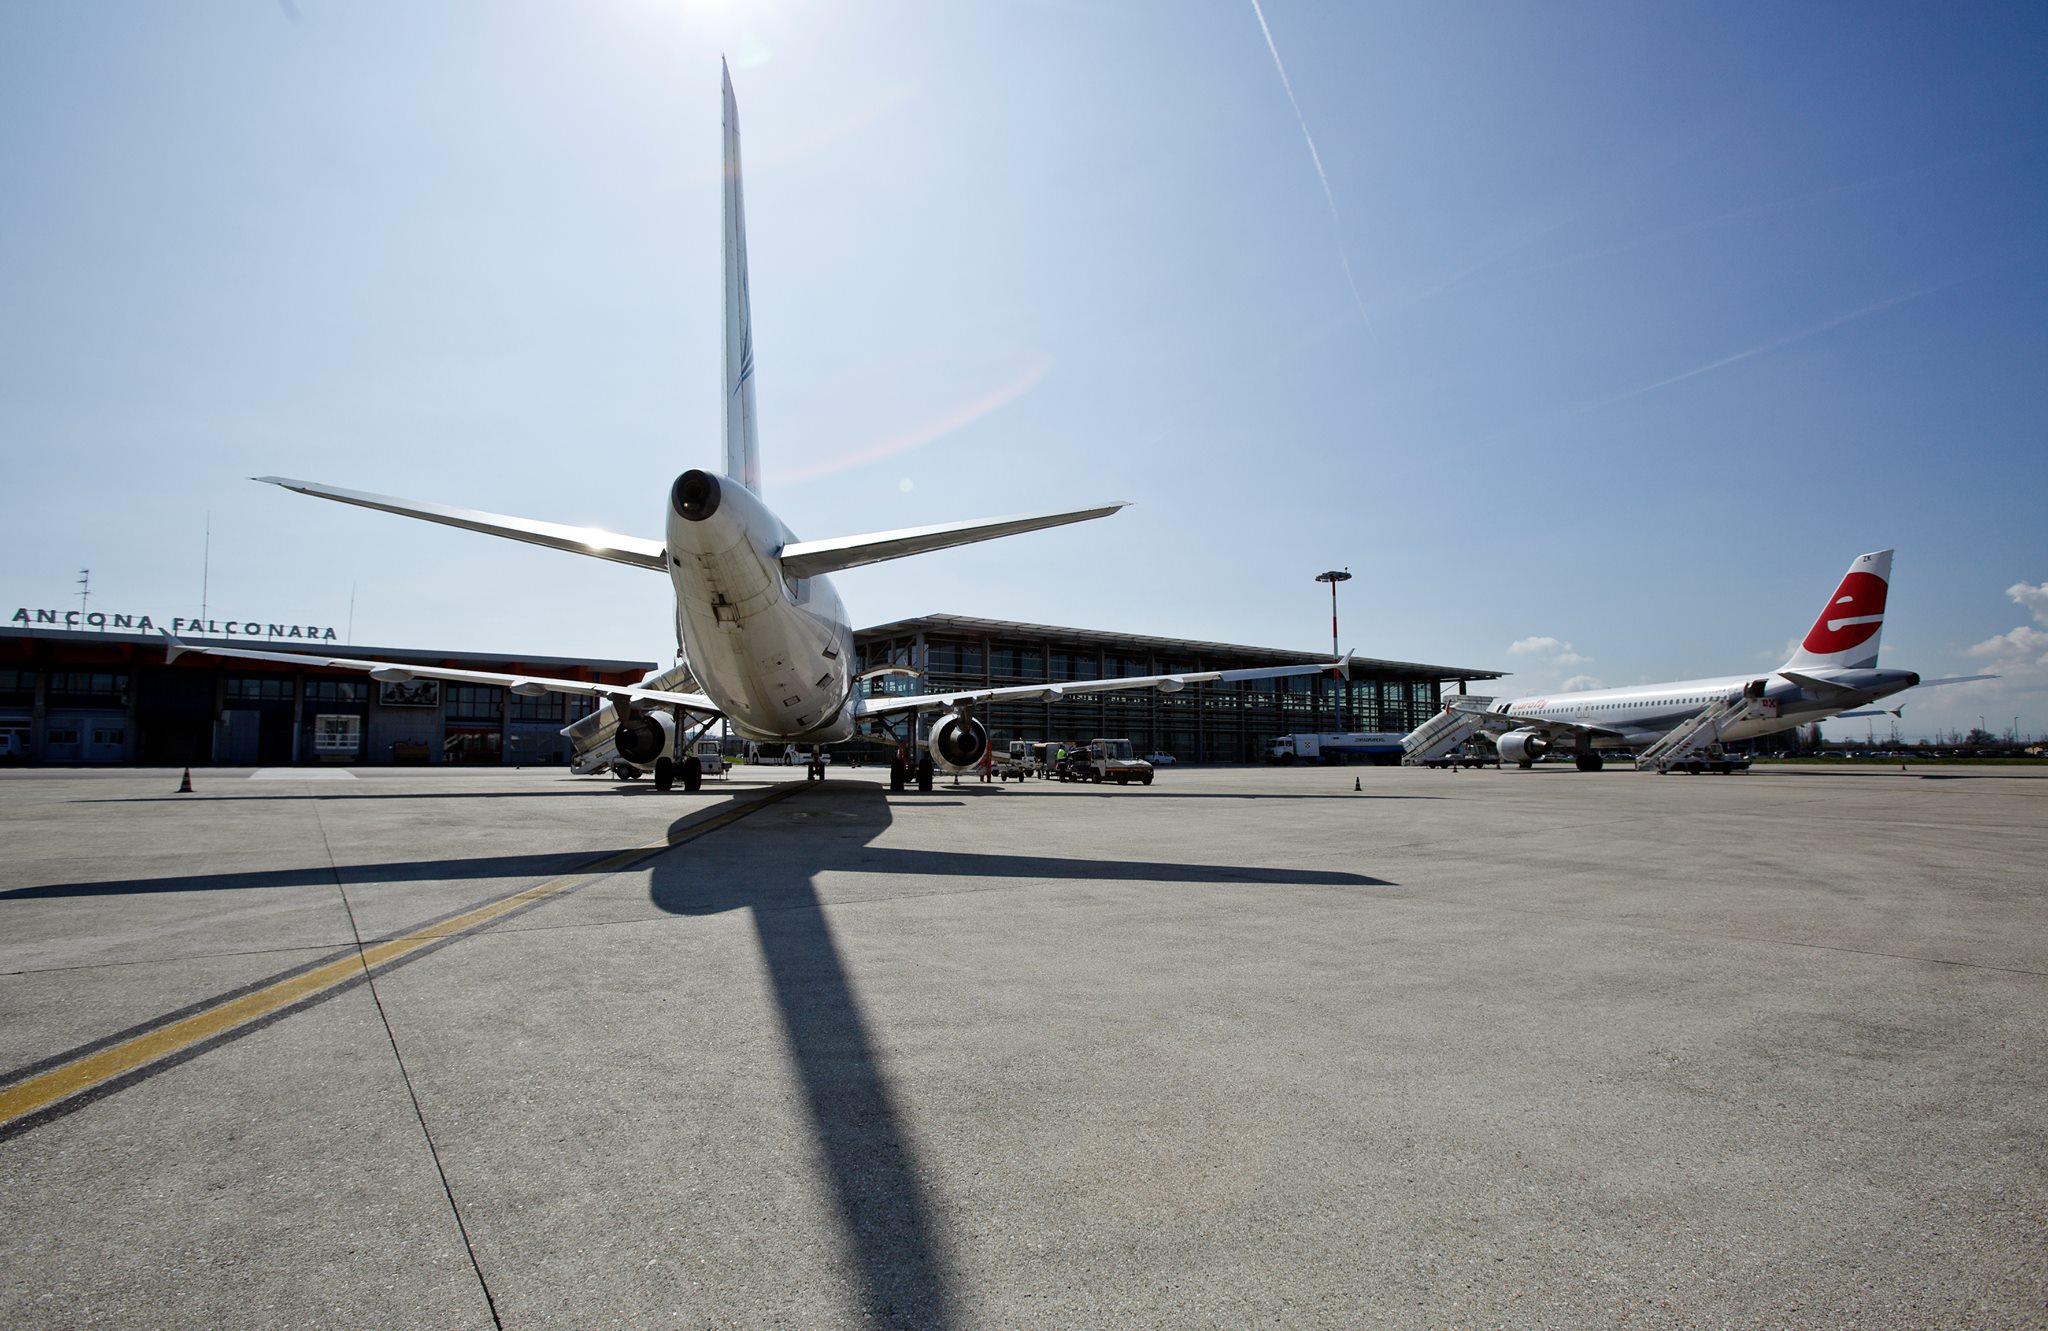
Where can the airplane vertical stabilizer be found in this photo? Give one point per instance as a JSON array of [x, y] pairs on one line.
[[742, 451], [1845, 636]]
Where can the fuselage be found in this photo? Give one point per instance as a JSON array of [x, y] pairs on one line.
[[1639, 715], [775, 653]]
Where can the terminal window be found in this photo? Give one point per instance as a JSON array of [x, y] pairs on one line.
[[259, 688], [102, 682], [544, 707], [478, 701]]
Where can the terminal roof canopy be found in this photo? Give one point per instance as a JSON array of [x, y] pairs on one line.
[[970, 626]]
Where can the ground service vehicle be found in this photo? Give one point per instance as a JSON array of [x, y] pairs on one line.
[[1050, 754], [1351, 747], [1016, 761], [1472, 753], [1112, 760]]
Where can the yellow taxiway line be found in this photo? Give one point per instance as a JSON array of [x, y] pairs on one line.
[[102, 1066]]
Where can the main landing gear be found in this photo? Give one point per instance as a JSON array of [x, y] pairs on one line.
[[1589, 762]]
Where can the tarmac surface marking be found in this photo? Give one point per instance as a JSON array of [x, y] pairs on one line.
[[102, 1067]]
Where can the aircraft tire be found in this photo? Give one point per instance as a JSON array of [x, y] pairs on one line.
[[664, 774], [1588, 762], [693, 773], [625, 772]]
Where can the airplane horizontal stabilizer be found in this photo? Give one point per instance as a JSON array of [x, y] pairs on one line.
[[592, 541], [809, 559]]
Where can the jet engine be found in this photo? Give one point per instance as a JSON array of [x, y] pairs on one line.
[[1522, 747], [645, 737], [957, 742]]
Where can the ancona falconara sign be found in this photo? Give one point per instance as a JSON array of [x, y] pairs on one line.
[[81, 620]]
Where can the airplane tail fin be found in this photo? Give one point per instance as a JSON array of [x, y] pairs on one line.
[[742, 449], [1846, 634]]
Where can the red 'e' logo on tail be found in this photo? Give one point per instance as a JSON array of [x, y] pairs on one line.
[[1854, 616]]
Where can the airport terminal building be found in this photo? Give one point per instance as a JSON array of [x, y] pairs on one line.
[[111, 697], [1217, 723], [104, 693]]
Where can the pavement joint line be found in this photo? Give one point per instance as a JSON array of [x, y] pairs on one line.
[[412, 1094], [94, 1066]]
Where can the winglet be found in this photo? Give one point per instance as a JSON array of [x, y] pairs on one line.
[[173, 648], [1343, 667]]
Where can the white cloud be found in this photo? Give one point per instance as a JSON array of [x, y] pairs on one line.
[[2023, 645], [1581, 683], [2035, 599], [1557, 650]]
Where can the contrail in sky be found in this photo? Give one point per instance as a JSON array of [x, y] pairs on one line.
[[1775, 344], [1343, 260]]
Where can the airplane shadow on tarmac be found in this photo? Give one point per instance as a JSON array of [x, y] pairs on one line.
[[873, 1171]]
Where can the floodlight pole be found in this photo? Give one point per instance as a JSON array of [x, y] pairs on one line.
[[1333, 577]]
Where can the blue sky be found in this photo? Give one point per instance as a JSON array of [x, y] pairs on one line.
[[1662, 314]]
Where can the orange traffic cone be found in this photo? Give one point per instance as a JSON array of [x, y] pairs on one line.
[[185, 786]]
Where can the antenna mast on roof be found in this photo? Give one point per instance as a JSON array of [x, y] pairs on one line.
[[84, 590]]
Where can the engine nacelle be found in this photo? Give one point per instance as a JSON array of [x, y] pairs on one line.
[[649, 735], [958, 742], [1522, 746]]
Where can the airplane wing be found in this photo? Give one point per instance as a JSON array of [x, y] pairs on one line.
[[1053, 692], [593, 541], [388, 672], [1548, 726], [808, 559]]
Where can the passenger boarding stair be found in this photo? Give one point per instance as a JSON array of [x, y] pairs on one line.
[[1695, 743], [1463, 716]]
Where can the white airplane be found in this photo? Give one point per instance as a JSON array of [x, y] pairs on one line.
[[766, 642], [1834, 670]]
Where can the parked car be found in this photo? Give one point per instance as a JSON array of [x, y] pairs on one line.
[[1160, 759]]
